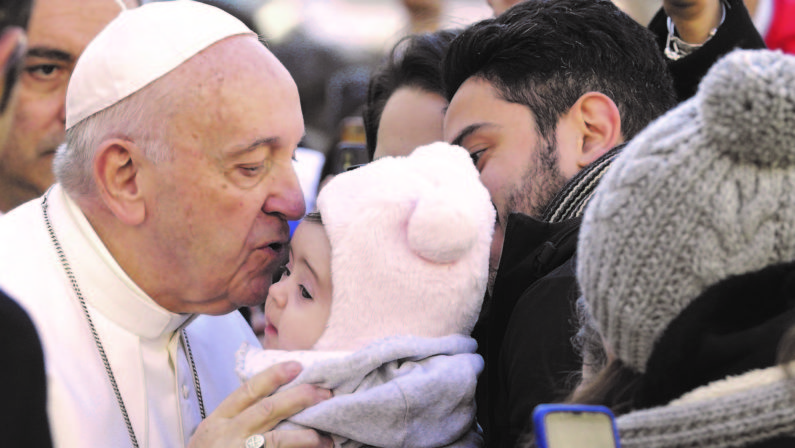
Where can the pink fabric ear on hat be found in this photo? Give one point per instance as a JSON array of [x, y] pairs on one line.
[[429, 227]]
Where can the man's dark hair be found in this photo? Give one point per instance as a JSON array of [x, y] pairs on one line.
[[13, 13], [545, 54], [415, 61]]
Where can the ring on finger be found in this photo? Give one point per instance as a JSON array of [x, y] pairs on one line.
[[255, 441]]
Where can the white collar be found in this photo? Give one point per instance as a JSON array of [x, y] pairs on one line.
[[103, 283]]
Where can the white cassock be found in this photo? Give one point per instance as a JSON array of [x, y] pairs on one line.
[[142, 340]]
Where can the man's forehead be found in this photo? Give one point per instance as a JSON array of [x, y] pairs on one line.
[[463, 111], [69, 25]]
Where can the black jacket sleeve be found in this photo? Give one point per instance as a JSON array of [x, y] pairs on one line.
[[537, 360]]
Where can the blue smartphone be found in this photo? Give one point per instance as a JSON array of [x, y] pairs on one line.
[[574, 426]]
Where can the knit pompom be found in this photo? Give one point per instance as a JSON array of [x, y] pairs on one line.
[[429, 227], [755, 123]]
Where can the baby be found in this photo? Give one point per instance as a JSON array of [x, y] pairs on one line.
[[379, 297]]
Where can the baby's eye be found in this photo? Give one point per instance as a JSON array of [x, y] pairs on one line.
[[305, 293]]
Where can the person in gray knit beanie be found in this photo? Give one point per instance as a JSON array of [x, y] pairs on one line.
[[685, 263]]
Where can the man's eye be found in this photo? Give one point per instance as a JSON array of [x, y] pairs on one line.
[[42, 71], [305, 294], [477, 155]]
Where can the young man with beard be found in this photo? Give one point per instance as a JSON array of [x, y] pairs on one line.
[[543, 97]]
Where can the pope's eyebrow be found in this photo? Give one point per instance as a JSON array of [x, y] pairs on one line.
[[239, 151]]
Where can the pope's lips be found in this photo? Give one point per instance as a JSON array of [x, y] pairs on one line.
[[277, 247]]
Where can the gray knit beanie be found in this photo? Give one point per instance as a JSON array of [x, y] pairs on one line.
[[707, 191]]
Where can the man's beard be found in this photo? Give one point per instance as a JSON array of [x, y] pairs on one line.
[[540, 183]]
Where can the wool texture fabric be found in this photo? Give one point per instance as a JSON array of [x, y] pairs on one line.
[[706, 192], [140, 46], [736, 412], [396, 392], [410, 239]]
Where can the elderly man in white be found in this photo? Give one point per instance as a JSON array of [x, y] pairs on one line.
[[174, 190]]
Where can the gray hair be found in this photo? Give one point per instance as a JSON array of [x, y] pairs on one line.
[[141, 118]]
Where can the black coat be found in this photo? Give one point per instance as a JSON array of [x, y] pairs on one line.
[[525, 338], [525, 330], [23, 401]]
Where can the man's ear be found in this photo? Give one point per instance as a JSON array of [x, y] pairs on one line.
[[598, 122], [116, 169]]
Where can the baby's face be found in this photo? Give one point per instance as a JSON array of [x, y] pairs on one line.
[[298, 305]]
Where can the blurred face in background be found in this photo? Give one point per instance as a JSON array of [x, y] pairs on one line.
[[412, 117], [58, 32], [499, 6]]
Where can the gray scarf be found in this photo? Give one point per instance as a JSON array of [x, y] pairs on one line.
[[736, 419]]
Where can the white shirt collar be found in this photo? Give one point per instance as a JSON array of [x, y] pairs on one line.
[[103, 283]]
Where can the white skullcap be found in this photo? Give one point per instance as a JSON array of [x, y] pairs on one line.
[[140, 46]]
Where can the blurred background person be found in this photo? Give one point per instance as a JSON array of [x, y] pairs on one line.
[[58, 32], [23, 408], [405, 99], [693, 35], [775, 20]]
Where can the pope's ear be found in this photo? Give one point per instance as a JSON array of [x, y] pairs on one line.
[[116, 170], [600, 124]]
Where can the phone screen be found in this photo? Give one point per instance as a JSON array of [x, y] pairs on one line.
[[574, 429]]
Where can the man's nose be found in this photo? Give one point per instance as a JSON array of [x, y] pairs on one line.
[[285, 198]]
